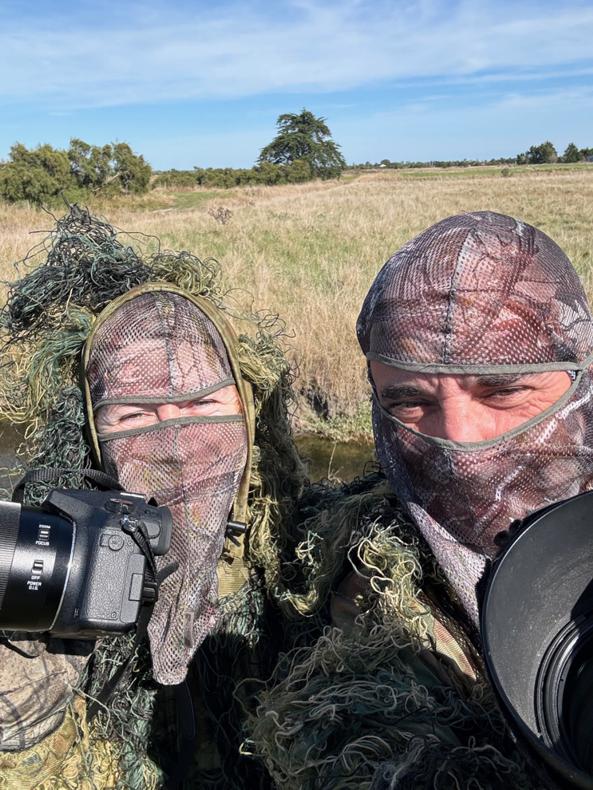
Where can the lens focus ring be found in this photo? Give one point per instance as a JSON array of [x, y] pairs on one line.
[[10, 514]]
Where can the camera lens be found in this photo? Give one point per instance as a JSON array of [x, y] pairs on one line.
[[564, 700], [35, 554], [537, 632]]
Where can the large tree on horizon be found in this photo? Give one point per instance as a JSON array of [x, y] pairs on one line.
[[304, 137]]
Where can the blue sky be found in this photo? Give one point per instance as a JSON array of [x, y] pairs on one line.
[[202, 83]]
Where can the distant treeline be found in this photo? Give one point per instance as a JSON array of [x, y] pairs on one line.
[[265, 173], [302, 150], [433, 163], [544, 153]]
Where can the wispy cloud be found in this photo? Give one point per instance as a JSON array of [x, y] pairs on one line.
[[501, 126], [151, 52]]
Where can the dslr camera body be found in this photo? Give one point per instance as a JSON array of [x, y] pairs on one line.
[[82, 565]]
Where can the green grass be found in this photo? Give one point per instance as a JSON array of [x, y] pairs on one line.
[[487, 171], [190, 200], [340, 428]]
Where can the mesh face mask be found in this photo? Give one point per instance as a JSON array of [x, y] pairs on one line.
[[482, 293], [159, 347]]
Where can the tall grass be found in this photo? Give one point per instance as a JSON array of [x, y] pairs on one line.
[[310, 251]]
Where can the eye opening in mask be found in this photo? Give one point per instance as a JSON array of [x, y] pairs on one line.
[[221, 400], [467, 411]]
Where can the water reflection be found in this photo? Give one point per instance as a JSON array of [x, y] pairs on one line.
[[10, 438], [335, 460]]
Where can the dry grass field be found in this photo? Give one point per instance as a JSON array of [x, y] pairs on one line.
[[309, 252]]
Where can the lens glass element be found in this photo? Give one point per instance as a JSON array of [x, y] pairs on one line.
[[564, 694]]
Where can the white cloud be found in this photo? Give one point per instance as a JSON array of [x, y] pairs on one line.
[[158, 53]]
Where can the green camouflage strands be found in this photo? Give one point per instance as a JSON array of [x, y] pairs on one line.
[[358, 711], [375, 704]]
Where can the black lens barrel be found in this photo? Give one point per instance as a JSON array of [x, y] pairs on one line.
[[537, 632], [10, 516], [35, 551]]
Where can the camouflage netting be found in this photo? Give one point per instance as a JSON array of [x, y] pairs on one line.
[[376, 704], [48, 315]]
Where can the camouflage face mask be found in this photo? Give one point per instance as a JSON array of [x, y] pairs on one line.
[[158, 347], [476, 294]]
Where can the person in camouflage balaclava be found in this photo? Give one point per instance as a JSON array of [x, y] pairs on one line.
[[479, 340], [176, 406], [170, 424]]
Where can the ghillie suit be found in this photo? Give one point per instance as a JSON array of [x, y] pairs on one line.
[[136, 741], [392, 693], [397, 697]]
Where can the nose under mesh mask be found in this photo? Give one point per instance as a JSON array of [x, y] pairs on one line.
[[159, 347], [482, 293]]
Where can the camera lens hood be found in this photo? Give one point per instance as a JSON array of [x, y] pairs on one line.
[[537, 631]]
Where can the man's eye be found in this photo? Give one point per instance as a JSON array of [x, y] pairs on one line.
[[135, 415], [198, 404], [405, 406], [506, 392]]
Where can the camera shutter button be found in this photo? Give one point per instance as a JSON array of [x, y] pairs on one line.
[[115, 542]]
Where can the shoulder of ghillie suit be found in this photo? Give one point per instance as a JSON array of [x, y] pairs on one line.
[[358, 526], [419, 723]]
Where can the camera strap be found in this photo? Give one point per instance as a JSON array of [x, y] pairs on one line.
[[101, 699], [51, 474]]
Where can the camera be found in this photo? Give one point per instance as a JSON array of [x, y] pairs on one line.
[[82, 565], [537, 632]]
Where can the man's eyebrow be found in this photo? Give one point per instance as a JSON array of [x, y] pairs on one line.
[[396, 391]]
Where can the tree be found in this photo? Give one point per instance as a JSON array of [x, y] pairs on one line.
[[37, 175], [542, 154], [44, 174], [91, 165], [132, 170], [308, 138], [571, 154]]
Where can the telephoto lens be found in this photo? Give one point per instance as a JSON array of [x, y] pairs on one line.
[[35, 554], [82, 565], [537, 630]]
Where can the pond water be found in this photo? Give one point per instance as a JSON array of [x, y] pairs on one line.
[[10, 438], [325, 458], [334, 460]]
